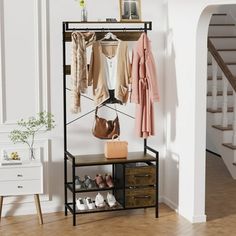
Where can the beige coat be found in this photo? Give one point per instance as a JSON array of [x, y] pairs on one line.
[[79, 74], [96, 71]]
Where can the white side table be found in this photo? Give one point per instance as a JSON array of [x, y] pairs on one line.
[[25, 179]]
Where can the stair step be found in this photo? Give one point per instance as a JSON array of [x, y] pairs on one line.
[[227, 63], [222, 37], [219, 110], [219, 14], [231, 146], [226, 50], [220, 127], [218, 78], [222, 25], [220, 93]]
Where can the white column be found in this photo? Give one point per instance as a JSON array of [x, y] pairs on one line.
[[234, 121], [214, 105], [225, 101]]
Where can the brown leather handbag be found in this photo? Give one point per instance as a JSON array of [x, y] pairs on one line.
[[105, 129]]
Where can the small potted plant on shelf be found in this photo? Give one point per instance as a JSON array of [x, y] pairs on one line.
[[29, 128], [84, 13]]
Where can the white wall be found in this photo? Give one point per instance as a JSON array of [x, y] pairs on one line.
[[185, 105], [31, 80]]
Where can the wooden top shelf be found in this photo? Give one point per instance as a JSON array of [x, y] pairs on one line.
[[107, 22], [99, 159]]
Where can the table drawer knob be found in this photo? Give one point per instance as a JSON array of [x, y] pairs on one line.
[[19, 186], [19, 175]]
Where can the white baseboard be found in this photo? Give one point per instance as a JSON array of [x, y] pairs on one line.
[[170, 203], [199, 219], [161, 199], [194, 218]]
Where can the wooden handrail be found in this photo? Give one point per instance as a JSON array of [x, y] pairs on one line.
[[222, 65]]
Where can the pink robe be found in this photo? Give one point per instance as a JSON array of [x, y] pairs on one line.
[[144, 86]]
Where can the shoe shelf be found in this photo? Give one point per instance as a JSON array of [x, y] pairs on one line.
[[106, 208], [99, 159], [135, 181], [70, 187]]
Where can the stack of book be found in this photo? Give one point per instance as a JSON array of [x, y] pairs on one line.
[[10, 162]]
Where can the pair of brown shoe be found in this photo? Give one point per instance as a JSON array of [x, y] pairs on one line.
[[104, 182]]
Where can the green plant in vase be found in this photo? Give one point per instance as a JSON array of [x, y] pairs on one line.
[[29, 128], [82, 3], [84, 13]]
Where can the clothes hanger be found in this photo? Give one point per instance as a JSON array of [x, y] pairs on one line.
[[109, 36], [110, 39]]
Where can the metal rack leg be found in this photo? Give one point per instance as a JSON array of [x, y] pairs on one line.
[[1, 202], [123, 184], [74, 194], [145, 146], [64, 115], [65, 177], [113, 177], [157, 185]]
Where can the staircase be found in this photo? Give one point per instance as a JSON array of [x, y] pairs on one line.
[[221, 87]]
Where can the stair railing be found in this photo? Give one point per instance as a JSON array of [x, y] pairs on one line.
[[228, 79]]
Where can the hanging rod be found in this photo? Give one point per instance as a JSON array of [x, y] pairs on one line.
[[124, 35]]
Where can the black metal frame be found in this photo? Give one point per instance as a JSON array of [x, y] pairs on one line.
[[147, 25]]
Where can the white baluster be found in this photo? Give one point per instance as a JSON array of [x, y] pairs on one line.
[[214, 84], [234, 121], [225, 101]]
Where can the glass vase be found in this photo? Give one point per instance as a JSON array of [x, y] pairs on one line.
[[31, 154], [84, 14]]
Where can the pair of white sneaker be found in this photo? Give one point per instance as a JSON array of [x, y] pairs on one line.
[[85, 204], [99, 200]]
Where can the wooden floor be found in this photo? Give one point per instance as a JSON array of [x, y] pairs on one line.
[[220, 207]]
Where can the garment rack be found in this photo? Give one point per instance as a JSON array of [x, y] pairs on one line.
[[130, 31], [124, 34]]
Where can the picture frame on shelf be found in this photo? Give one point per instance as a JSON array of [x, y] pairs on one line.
[[130, 10]]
